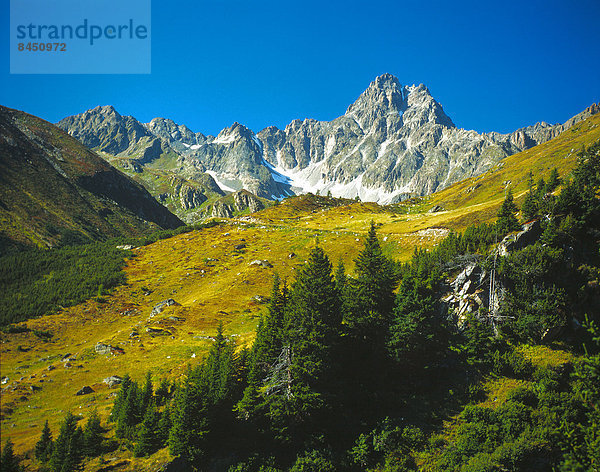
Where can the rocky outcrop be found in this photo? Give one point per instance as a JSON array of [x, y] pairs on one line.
[[221, 210], [159, 307], [261, 263], [244, 200], [473, 287], [529, 234]]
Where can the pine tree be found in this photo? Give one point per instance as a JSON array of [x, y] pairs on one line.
[[43, 448], [129, 414], [373, 290], [553, 180], [148, 435], [92, 436], [121, 398], [188, 416], [8, 461], [507, 221], [529, 209], [67, 453], [146, 394]]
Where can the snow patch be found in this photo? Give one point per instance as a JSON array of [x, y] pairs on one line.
[[329, 146], [227, 139], [257, 141], [222, 186]]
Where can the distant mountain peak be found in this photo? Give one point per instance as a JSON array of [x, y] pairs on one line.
[[105, 110]]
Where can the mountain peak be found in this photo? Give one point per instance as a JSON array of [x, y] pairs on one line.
[[384, 96], [385, 81], [105, 110]]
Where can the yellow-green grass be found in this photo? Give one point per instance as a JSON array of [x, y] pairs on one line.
[[513, 171], [211, 280]]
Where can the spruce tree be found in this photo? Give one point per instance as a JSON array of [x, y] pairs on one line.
[[121, 397], [313, 319], [372, 301], [8, 461], [146, 394], [266, 348], [307, 366], [43, 448], [162, 391], [148, 438], [507, 221], [129, 414], [187, 437], [529, 209], [67, 452], [92, 436], [553, 180], [164, 425]]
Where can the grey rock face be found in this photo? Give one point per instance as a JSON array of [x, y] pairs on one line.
[[245, 200], [104, 129], [393, 142]]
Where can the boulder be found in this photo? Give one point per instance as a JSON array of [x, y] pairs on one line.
[[158, 331], [112, 380], [159, 307], [85, 390], [102, 348], [261, 263]]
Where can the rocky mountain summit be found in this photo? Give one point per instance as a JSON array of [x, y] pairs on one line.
[[394, 141]]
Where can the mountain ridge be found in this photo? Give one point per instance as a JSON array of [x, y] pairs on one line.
[[394, 141], [52, 184]]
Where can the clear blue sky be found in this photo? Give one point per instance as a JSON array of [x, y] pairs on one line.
[[494, 66]]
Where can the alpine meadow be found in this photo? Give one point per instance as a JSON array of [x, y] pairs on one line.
[[353, 277]]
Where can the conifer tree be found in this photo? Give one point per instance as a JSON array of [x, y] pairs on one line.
[[121, 397], [8, 461], [92, 436], [129, 414], [266, 348], [507, 221], [188, 416], [148, 435], [373, 290], [312, 325], [146, 394], [162, 391], [529, 209], [67, 452], [553, 180], [313, 319], [164, 424], [43, 448]]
